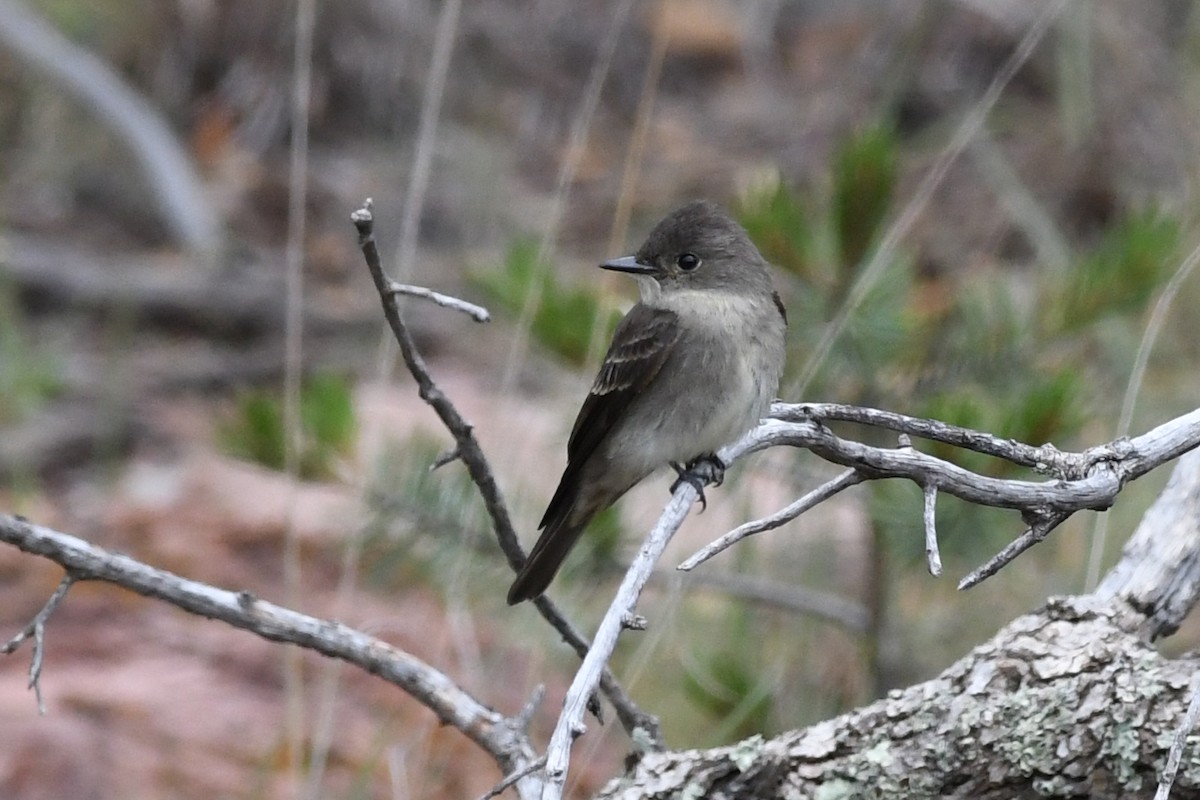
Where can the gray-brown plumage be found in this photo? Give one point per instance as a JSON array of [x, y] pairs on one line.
[[692, 367]]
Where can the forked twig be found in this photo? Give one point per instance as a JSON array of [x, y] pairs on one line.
[[37, 629]]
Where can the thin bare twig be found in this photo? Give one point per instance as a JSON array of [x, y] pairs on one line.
[[509, 780], [1036, 532], [477, 313], [1108, 466], [471, 454], [37, 629], [1136, 375], [819, 495], [1045, 458], [1097, 474], [933, 555]]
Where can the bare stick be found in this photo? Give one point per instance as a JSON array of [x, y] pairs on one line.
[[1038, 531], [1181, 734], [471, 454], [1044, 458], [570, 722], [477, 313], [1109, 466], [819, 495], [37, 629], [932, 554]]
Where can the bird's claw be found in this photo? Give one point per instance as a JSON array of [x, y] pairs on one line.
[[700, 472]]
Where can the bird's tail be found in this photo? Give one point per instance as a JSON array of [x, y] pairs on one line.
[[544, 560]]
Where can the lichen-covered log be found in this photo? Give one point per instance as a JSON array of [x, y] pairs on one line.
[[1071, 701]]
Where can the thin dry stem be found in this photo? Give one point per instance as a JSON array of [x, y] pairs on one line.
[[933, 555], [1136, 376], [37, 629], [785, 515], [293, 366]]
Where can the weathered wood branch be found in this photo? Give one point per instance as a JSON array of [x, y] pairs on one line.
[[501, 737], [1069, 701]]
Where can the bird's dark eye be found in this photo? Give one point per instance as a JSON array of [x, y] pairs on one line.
[[687, 261]]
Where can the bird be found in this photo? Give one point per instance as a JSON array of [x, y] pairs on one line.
[[692, 366]]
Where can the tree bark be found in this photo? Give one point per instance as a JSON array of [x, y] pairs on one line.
[[1069, 701]]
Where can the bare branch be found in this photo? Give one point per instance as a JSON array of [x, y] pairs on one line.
[[932, 554], [1096, 475], [471, 454], [1038, 530], [477, 313], [498, 735], [1156, 578], [819, 495], [37, 629], [1044, 458], [570, 722], [509, 780]]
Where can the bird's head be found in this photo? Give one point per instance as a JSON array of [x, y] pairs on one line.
[[696, 248]]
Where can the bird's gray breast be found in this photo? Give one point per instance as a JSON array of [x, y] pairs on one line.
[[716, 384]]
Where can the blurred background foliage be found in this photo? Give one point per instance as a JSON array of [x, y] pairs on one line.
[[1015, 305]]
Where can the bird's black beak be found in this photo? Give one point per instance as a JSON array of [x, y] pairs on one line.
[[628, 264]]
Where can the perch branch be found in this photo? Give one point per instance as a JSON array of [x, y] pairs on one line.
[[1080, 670], [570, 722], [1100, 473], [1091, 479]]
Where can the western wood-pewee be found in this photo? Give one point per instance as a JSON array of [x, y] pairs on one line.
[[691, 368]]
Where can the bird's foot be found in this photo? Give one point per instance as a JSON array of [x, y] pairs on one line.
[[700, 472]]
